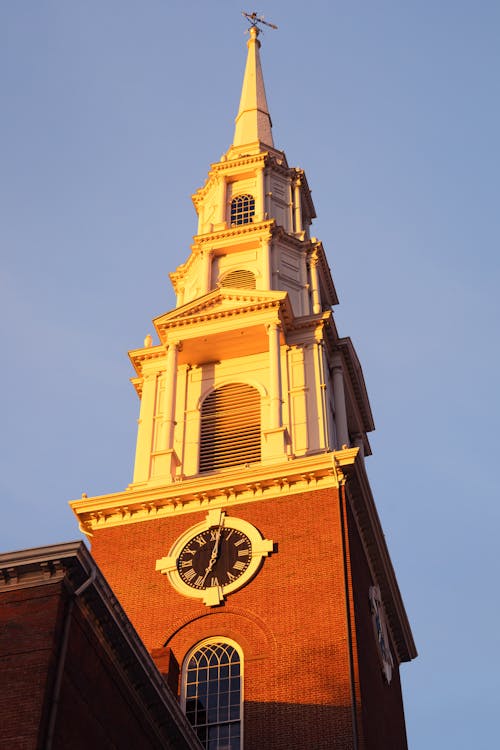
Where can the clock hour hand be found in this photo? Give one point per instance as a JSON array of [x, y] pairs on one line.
[[213, 557]]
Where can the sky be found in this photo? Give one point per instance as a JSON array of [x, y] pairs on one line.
[[111, 113]]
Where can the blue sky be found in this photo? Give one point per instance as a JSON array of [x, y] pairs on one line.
[[111, 114]]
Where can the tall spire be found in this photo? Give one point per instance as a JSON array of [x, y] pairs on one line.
[[253, 122]]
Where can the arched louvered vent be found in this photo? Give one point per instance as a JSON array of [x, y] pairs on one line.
[[240, 279], [230, 427]]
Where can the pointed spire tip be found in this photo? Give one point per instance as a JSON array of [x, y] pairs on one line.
[[253, 122]]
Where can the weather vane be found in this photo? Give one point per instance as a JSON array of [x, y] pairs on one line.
[[255, 20]]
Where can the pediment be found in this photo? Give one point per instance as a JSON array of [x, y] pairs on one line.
[[226, 302]]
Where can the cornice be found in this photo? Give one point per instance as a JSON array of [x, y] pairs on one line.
[[227, 165], [268, 157], [37, 567], [323, 321], [256, 482], [305, 322], [353, 365], [266, 228], [203, 317], [140, 357], [205, 309], [300, 174], [318, 254], [277, 162], [260, 227], [181, 270], [271, 157], [279, 233], [372, 535]]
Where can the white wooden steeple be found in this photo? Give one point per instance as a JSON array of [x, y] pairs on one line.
[[253, 122], [254, 309], [253, 323]]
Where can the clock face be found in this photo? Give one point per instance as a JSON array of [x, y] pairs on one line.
[[217, 556], [380, 629]]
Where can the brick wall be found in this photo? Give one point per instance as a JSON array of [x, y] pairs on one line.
[[97, 705], [29, 623], [97, 708], [383, 724], [290, 620]]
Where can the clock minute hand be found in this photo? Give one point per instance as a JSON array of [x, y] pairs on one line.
[[215, 550], [213, 556]]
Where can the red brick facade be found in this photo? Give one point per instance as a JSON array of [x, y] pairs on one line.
[[29, 625], [382, 715], [291, 622], [73, 673]]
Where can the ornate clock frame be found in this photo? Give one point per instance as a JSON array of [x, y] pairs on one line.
[[214, 595]]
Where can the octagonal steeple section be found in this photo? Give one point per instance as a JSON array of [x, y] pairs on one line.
[[254, 215]]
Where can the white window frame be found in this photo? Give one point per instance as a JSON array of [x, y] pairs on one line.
[[207, 642]]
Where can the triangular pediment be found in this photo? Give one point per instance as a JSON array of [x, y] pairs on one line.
[[226, 301]]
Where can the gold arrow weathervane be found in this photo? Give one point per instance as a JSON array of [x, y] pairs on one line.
[[255, 20]]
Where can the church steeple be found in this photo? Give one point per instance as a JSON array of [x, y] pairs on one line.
[[253, 122], [252, 432]]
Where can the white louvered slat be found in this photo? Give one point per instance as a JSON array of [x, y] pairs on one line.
[[239, 279], [230, 427]]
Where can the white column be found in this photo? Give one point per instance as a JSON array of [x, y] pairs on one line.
[[298, 206], [262, 213], [339, 402], [315, 286], [207, 269], [170, 394], [267, 194], [321, 395], [265, 248], [142, 465], [221, 200], [275, 418]]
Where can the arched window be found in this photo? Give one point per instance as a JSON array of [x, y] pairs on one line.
[[239, 279], [230, 427], [212, 693], [242, 209]]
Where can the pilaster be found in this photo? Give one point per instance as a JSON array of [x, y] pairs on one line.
[[142, 468], [316, 300], [339, 402], [166, 459], [275, 435]]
